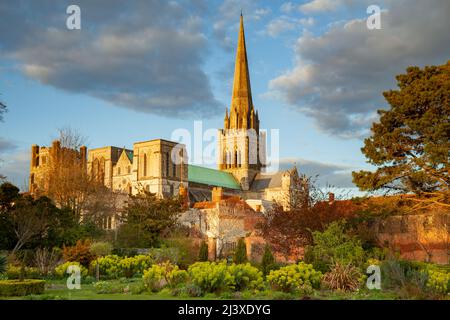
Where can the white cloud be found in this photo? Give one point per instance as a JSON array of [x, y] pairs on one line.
[[287, 7], [280, 25], [338, 77], [320, 5]]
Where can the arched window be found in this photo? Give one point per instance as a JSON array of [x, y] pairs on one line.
[[235, 158]]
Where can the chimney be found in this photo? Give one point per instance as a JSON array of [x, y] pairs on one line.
[[217, 194], [330, 197]]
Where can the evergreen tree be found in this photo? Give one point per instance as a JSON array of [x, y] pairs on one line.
[[203, 253], [268, 261], [410, 143], [240, 255]]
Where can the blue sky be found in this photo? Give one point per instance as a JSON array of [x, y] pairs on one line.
[[140, 70]]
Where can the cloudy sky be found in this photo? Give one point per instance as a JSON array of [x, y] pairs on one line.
[[138, 70]]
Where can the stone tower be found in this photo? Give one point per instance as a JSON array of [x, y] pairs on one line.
[[240, 139]]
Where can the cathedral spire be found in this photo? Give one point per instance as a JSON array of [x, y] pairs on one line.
[[241, 101]]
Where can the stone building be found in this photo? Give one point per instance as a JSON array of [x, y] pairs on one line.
[[161, 167]]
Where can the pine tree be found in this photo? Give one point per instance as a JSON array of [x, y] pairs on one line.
[[268, 261], [203, 252], [410, 143], [240, 255]]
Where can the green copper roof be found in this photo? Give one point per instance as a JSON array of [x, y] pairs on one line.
[[211, 177], [129, 155]]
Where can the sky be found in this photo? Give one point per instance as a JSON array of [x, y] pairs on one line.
[[139, 70]]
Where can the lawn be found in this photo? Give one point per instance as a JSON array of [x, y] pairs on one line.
[[57, 290]]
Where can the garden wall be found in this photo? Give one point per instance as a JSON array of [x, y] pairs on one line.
[[421, 237]]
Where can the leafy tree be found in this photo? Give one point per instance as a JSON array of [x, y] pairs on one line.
[[410, 144], [240, 255], [100, 249], [268, 261], [146, 218], [203, 252]]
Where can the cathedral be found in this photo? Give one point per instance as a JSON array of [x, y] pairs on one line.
[[149, 165]]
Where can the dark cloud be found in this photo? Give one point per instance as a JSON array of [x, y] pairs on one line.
[[333, 175], [6, 145], [15, 167], [339, 76], [143, 55]]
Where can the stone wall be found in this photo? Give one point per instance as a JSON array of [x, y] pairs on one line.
[[421, 237]]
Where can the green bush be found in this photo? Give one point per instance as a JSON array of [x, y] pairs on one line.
[[106, 287], [438, 280], [213, 277], [114, 267], [203, 252], [163, 275], [245, 277], [61, 270], [240, 255], [334, 245], [299, 277], [268, 261], [13, 272], [21, 288]]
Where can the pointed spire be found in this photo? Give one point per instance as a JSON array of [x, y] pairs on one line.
[[241, 101]]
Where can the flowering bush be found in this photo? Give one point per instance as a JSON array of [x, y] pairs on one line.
[[13, 272], [60, 271], [218, 276], [211, 276], [246, 276], [295, 277], [438, 280], [162, 275]]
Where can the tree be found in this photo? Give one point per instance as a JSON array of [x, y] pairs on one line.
[[145, 219], [29, 218], [100, 249], [203, 252], [268, 261], [410, 144], [240, 255]]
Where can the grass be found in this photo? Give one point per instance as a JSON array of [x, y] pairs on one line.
[[57, 290]]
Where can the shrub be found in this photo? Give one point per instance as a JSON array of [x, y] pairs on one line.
[[211, 276], [3, 264], [105, 287], [245, 276], [299, 277], [203, 252], [61, 270], [268, 261], [162, 275], [108, 266], [164, 254], [438, 280], [334, 245], [47, 260], [343, 277], [240, 255], [130, 266], [80, 252], [14, 272], [21, 288]]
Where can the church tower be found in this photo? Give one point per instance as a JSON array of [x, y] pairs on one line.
[[240, 140]]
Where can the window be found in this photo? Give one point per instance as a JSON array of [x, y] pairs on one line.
[[145, 165], [109, 223], [167, 163], [118, 170], [128, 169], [174, 169]]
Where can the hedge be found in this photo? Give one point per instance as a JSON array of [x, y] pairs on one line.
[[21, 288]]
